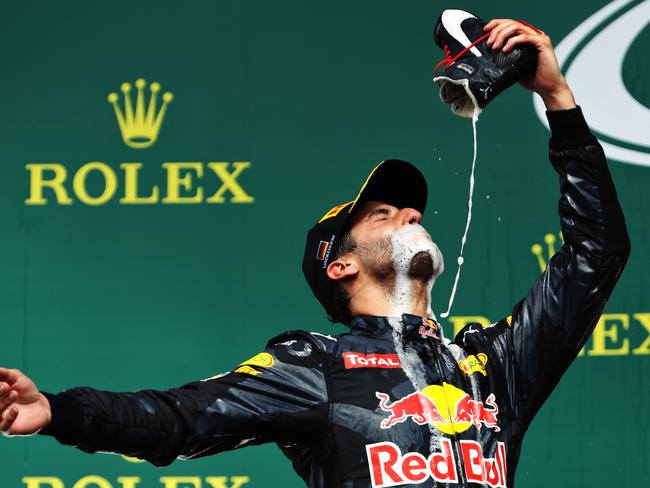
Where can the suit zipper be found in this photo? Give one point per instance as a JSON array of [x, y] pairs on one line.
[[437, 348]]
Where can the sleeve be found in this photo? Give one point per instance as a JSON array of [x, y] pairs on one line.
[[277, 396], [553, 321]]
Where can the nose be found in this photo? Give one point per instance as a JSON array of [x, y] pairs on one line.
[[410, 216]]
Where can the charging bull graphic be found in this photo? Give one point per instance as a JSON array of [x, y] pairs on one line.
[[449, 409]]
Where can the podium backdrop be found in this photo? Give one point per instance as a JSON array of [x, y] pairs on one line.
[[147, 246]]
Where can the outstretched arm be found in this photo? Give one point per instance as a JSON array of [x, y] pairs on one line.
[[278, 396]]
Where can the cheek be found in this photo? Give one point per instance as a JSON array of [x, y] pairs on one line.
[[371, 235]]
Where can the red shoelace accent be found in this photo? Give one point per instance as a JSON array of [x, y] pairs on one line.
[[531, 26], [448, 61]]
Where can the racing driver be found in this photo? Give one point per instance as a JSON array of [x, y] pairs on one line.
[[392, 402]]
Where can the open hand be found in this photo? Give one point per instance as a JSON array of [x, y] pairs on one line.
[[23, 409], [547, 80]]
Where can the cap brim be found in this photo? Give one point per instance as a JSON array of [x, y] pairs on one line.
[[396, 183]]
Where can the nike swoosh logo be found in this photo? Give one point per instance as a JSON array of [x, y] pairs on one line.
[[451, 20]]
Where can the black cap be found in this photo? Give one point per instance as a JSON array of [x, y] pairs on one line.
[[394, 182]]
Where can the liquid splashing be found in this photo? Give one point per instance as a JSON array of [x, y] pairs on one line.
[[407, 242], [461, 259]]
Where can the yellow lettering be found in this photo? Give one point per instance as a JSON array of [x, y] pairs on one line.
[[37, 183], [128, 481], [221, 481], [460, 321], [602, 333], [644, 319], [229, 182], [92, 480], [217, 481], [132, 459], [110, 183], [238, 481], [181, 481], [175, 181], [38, 481], [131, 186]]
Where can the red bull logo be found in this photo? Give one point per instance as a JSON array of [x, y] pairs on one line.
[[389, 467], [446, 407], [429, 328]]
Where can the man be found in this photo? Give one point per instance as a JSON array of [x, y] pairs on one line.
[[392, 402]]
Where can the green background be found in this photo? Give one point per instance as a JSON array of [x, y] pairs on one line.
[[313, 94]]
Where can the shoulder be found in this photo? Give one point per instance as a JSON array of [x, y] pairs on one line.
[[301, 340], [475, 333], [300, 347]]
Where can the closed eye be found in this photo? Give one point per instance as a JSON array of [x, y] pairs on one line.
[[380, 213]]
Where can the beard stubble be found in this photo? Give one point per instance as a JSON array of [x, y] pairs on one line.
[[377, 260]]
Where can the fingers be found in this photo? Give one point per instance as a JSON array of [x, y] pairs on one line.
[[520, 39], [537, 40], [7, 421], [9, 375], [502, 29], [493, 23], [7, 397]]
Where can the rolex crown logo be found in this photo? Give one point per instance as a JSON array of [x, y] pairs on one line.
[[538, 250], [139, 129]]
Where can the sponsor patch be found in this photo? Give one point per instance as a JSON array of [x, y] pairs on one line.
[[429, 328], [465, 67], [322, 250], [334, 212], [263, 359], [353, 360], [474, 364], [448, 408], [247, 370], [389, 467], [327, 250]]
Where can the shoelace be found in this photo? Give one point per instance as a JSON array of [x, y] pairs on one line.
[[449, 60]]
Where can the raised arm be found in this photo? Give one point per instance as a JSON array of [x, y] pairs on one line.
[[552, 323]]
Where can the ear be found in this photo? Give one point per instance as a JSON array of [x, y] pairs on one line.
[[343, 268]]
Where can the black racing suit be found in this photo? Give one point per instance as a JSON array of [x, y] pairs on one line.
[[342, 408]]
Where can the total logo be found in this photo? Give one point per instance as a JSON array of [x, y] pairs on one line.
[[448, 408], [592, 58]]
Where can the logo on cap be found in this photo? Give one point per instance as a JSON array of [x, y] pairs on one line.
[[334, 212], [322, 250]]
